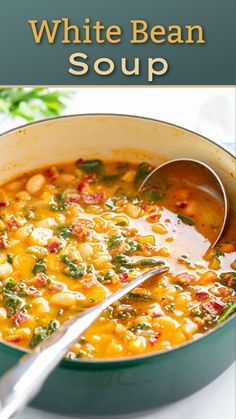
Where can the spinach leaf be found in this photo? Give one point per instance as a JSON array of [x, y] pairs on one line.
[[13, 285], [12, 294], [42, 332], [186, 220], [229, 279], [12, 302], [124, 311], [90, 166], [122, 195], [141, 326], [53, 325], [230, 309], [39, 334], [108, 275], [149, 262], [142, 172], [133, 247], [152, 195], [64, 232], [72, 268], [121, 260], [10, 258], [170, 307], [219, 253], [114, 241], [109, 179], [139, 296], [39, 266], [110, 203], [61, 203]]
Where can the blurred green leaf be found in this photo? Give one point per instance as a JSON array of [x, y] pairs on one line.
[[32, 103]]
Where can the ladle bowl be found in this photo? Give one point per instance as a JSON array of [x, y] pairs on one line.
[[205, 178]]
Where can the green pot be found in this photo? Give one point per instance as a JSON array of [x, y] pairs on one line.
[[144, 382]]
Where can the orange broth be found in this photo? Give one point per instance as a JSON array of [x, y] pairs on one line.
[[73, 232]]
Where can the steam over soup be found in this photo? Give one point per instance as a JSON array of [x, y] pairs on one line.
[[73, 232]]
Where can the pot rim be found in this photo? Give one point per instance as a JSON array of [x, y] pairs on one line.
[[145, 118], [126, 361]]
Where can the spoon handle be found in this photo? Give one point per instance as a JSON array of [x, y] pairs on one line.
[[22, 382]]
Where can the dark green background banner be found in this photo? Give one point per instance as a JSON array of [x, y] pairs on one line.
[[24, 62]]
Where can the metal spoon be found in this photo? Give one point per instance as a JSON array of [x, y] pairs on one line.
[[21, 383], [208, 181]]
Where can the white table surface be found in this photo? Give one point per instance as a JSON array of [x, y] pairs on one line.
[[210, 112]]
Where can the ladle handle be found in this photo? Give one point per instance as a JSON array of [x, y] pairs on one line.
[[22, 382]]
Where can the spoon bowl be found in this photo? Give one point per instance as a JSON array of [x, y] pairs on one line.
[[205, 183]]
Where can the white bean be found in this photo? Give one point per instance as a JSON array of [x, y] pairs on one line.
[[63, 299], [114, 348], [40, 236], [23, 232], [166, 322], [132, 210], [189, 328], [85, 250], [46, 222], [3, 313], [138, 345], [41, 305], [35, 183], [5, 270]]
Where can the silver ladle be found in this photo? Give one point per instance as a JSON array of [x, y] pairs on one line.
[[211, 183]]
